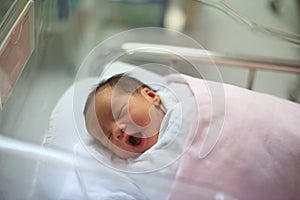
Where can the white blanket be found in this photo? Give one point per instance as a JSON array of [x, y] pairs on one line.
[[147, 177]]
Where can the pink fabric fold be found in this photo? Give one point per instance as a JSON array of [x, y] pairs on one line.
[[247, 145]]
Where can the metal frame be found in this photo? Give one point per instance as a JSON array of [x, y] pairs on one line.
[[199, 55]]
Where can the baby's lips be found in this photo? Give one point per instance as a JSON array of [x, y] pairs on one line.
[[126, 137]]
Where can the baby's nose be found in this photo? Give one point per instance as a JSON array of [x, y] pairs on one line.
[[118, 131]]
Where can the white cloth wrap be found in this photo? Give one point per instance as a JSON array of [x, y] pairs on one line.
[[74, 183]]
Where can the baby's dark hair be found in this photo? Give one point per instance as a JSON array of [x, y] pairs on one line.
[[121, 82]]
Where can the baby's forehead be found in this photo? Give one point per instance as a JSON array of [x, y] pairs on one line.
[[104, 88], [108, 96], [115, 90]]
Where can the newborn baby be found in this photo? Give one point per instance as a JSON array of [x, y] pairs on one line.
[[124, 115], [241, 142]]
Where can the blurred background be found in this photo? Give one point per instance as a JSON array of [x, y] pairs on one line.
[[62, 32]]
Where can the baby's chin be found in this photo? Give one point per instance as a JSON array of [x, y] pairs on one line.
[[127, 154]]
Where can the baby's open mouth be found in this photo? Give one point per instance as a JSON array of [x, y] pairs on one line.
[[135, 139]]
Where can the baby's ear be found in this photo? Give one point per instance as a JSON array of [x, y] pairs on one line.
[[151, 95]]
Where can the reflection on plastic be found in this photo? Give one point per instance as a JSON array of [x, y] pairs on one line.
[[63, 159], [232, 12]]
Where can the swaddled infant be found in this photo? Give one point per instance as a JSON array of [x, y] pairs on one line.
[[259, 135]]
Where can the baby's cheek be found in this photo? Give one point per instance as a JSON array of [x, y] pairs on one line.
[[141, 117]]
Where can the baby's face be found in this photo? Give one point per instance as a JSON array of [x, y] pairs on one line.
[[126, 124]]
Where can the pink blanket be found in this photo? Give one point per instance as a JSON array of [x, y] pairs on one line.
[[247, 145]]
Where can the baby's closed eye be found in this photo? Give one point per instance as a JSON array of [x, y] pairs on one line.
[[121, 112]]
